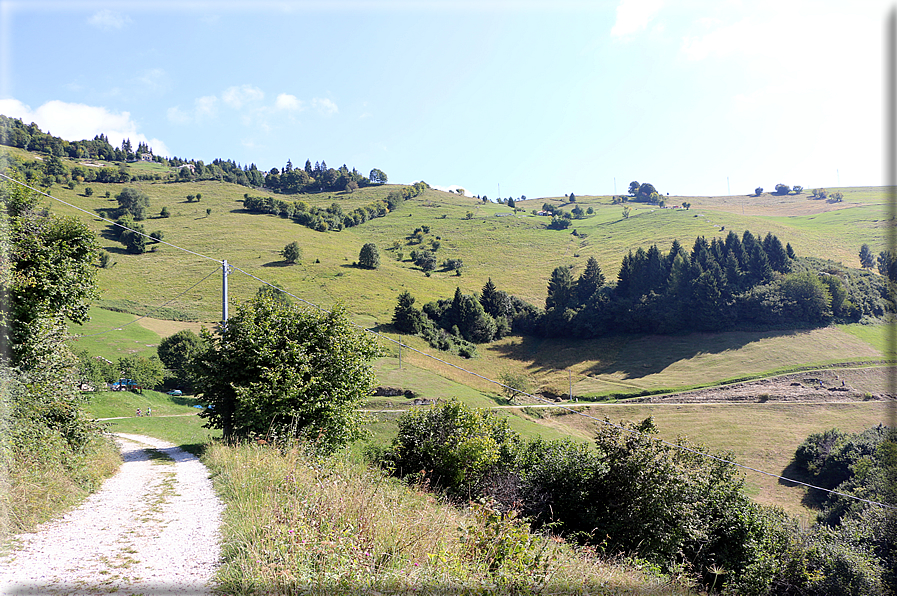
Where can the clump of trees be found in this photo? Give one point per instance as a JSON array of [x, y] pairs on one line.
[[318, 178], [333, 217], [739, 280], [644, 192]]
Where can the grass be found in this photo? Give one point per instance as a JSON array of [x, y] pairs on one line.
[[297, 524]]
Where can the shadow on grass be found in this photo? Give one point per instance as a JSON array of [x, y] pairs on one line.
[[197, 449], [813, 498], [630, 356]]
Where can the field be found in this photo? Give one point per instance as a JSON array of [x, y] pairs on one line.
[[516, 250]]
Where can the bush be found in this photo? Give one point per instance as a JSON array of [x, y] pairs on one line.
[[451, 446], [165, 212], [782, 189]]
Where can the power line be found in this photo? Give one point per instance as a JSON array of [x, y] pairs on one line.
[[120, 327], [105, 219], [577, 412]]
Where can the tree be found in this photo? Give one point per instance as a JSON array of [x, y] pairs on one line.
[[134, 239], [572, 198], [426, 260], [178, 351], [626, 211], [147, 372], [291, 253], [561, 289], [378, 176], [165, 212], [590, 280], [782, 189], [279, 370], [88, 191], [406, 318], [867, 259], [132, 201], [758, 191], [514, 383], [633, 188], [369, 257]]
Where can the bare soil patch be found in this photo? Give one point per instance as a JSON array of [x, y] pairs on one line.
[[823, 385]]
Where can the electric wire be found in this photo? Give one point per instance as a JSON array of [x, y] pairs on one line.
[[49, 196], [577, 412], [120, 327]]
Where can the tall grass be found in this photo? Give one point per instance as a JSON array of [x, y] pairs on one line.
[[299, 524]]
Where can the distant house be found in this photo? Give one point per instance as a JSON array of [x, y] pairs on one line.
[[188, 166], [146, 157]]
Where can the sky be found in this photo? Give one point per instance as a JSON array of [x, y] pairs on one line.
[[504, 99]]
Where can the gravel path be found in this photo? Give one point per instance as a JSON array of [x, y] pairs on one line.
[[151, 529]]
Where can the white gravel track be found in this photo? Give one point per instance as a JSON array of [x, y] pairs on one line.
[[151, 529]]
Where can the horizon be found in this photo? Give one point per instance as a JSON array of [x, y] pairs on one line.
[[502, 100]]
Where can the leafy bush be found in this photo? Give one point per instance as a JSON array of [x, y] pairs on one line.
[[452, 447]]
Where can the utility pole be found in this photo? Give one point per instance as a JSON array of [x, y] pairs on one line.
[[224, 272]]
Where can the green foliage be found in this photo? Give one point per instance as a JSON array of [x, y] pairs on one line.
[[514, 383], [867, 259], [406, 318], [133, 202], [451, 446], [50, 260], [177, 353], [280, 370], [758, 191], [165, 212], [291, 253], [369, 257], [88, 191], [782, 189], [147, 372]]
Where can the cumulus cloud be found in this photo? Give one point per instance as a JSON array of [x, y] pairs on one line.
[[76, 122], [154, 79], [237, 97], [324, 105], [633, 16], [107, 20], [285, 101]]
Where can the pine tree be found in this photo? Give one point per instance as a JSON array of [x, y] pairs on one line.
[[589, 282]]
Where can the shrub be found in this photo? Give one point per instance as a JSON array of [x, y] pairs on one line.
[[782, 189], [291, 253], [165, 212]]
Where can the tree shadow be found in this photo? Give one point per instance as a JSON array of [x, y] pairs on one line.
[[813, 498], [629, 356], [278, 264]]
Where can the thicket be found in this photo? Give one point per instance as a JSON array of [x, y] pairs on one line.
[[631, 494], [718, 285], [333, 217]]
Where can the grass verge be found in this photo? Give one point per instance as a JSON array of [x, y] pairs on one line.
[[297, 524]]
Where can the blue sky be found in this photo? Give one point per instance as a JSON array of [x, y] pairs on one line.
[[541, 98]]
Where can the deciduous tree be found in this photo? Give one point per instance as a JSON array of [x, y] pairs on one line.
[[279, 369]]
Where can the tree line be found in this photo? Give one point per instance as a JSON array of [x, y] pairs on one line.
[[288, 180], [718, 285], [333, 218]]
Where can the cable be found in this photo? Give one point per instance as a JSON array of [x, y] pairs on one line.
[[105, 219], [120, 327]]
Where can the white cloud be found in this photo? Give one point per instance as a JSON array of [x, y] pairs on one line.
[[324, 105], [285, 101], [634, 16], [178, 116], [76, 122], [237, 97], [108, 20], [154, 79], [206, 107]]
